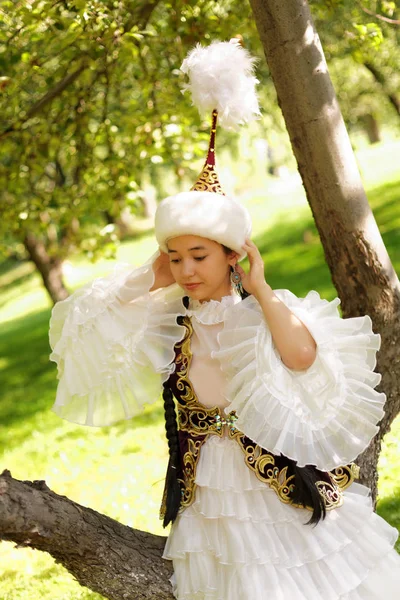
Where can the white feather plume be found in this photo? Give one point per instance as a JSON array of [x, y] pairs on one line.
[[221, 77]]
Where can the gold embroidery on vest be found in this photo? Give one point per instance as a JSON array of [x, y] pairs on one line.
[[183, 361], [331, 494], [200, 420], [262, 463], [192, 417], [345, 475], [163, 507], [190, 461]]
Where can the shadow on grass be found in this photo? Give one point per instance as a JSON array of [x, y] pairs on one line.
[[8, 265], [25, 369], [14, 274], [385, 201]]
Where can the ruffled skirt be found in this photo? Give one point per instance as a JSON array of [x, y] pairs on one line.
[[238, 541]]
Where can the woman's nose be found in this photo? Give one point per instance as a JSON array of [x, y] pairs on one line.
[[187, 268]]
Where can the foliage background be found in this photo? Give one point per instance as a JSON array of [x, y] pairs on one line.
[[93, 122]]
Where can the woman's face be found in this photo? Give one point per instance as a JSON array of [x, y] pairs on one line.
[[200, 266]]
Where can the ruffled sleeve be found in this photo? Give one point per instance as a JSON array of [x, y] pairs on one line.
[[113, 342], [325, 415]]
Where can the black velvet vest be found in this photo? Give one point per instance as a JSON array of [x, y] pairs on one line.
[[196, 422]]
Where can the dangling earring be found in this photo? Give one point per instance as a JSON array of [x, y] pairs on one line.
[[236, 281]]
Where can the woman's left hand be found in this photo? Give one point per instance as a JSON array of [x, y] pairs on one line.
[[253, 281]]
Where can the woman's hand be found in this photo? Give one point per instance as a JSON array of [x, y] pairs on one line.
[[254, 281], [162, 272]]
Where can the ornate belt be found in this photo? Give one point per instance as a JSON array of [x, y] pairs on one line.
[[200, 420]]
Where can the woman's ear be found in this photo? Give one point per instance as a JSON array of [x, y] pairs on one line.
[[233, 258]]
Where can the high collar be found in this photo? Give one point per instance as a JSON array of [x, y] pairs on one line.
[[211, 311]]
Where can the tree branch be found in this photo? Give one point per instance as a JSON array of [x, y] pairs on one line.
[[104, 555], [140, 16], [380, 17], [380, 78], [48, 97]]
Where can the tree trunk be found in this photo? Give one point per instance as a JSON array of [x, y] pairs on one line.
[[355, 253], [104, 555], [50, 268], [372, 129]]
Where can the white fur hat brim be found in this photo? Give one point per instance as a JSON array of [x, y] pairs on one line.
[[206, 214]]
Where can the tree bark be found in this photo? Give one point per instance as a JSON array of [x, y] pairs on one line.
[[50, 268], [354, 250], [104, 555]]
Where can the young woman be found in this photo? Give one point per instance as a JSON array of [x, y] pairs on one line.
[[274, 394], [275, 399]]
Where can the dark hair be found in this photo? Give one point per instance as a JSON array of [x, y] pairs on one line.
[[305, 492], [172, 486]]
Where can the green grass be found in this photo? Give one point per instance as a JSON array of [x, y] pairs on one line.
[[119, 470]]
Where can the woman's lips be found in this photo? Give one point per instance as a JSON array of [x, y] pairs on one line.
[[192, 286]]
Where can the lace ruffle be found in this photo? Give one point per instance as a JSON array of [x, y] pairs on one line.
[[288, 543], [255, 582], [325, 415], [212, 311], [225, 488], [113, 342], [220, 458], [260, 547]]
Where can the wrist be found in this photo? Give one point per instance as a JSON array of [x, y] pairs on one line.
[[264, 292]]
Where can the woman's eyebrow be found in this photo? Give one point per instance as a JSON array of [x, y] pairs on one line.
[[195, 248]]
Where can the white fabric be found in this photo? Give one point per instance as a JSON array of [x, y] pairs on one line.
[[207, 214], [113, 342], [205, 372], [325, 415], [110, 338], [238, 541], [211, 312], [221, 77]]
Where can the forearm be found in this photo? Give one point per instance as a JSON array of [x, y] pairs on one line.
[[136, 285], [291, 337], [150, 277]]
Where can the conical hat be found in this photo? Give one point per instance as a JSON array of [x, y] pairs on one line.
[[221, 81]]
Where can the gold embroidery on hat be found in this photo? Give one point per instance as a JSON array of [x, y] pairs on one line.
[[208, 180]]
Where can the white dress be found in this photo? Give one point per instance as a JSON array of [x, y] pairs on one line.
[[238, 540]]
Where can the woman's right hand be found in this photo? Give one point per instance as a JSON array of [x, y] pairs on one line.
[[162, 272]]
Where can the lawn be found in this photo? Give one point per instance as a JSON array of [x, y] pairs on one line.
[[119, 470]]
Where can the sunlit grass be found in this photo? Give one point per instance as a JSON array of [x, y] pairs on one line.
[[119, 470]]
